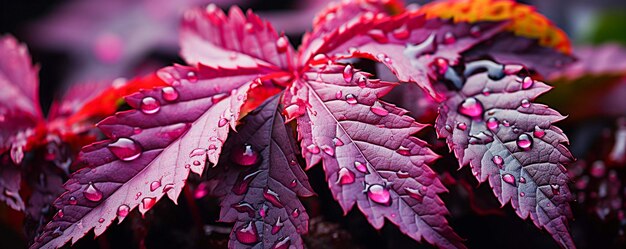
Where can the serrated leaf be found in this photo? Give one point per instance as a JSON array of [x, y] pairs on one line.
[[262, 194], [151, 149], [493, 125], [210, 37], [368, 153]]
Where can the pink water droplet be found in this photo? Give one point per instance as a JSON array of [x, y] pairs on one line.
[[475, 31], [497, 160], [148, 202], [60, 213], [125, 149], [313, 149], [247, 234], [72, 200], [281, 44], [508, 178], [506, 123], [522, 179], [448, 128], [351, 99], [338, 94], [471, 107], [403, 151], [401, 33], [345, 176], [403, 174], [378, 35], [414, 193], [448, 38], [167, 187], [92, 193], [282, 243], [598, 169], [192, 76], [538, 132], [556, 189], [123, 210], [295, 213], [137, 130], [169, 93], [360, 167], [442, 65], [222, 122], [461, 126], [337, 141], [328, 150], [272, 197], [486, 91], [244, 207], [137, 195], [155, 185], [293, 184], [525, 103], [245, 155], [379, 110], [522, 194], [348, 72], [150, 105], [101, 220], [361, 81], [277, 226], [263, 211], [379, 194], [524, 141], [492, 123], [243, 182], [527, 82]]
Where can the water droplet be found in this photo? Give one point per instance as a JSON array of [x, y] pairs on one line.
[[475, 31], [313, 149], [169, 93], [497, 160], [155, 185], [522, 194], [360, 167], [243, 182], [247, 234], [92, 193], [379, 110], [338, 95], [60, 213], [222, 122], [486, 91], [538, 132], [378, 35], [125, 149], [461, 126], [442, 65], [379, 194], [351, 99], [337, 141], [137, 130], [381, 57], [101, 220], [148, 202], [167, 187], [348, 72], [471, 107], [345, 176], [525, 103], [272, 197], [527, 82], [72, 200], [448, 128], [245, 155], [448, 38], [282, 44], [401, 33], [150, 105], [556, 189], [506, 123], [244, 207], [522, 179], [295, 213], [403, 174], [137, 195], [263, 211], [277, 226], [508, 178], [282, 243], [361, 81], [492, 123], [123, 211], [293, 184], [414, 193], [524, 141], [192, 77]]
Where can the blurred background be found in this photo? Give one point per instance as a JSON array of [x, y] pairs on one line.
[[83, 41]]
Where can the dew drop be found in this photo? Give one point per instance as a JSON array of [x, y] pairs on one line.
[[272, 197], [448, 128], [92, 193], [348, 72], [277, 226], [360, 167], [125, 149], [245, 155], [522, 194], [492, 123], [169, 93], [282, 44], [72, 200], [461, 126], [379, 194], [338, 94], [361, 81], [378, 35], [527, 82], [244, 207], [192, 77], [414, 193], [247, 234], [243, 182], [448, 38], [442, 65], [524, 141], [313, 149], [471, 107], [168, 187], [295, 213], [337, 141], [263, 211], [556, 189], [345, 176], [486, 91], [403, 174], [475, 31], [351, 99], [155, 185], [282, 243], [522, 179], [525, 103], [538, 132], [148, 202], [508, 178], [150, 105], [222, 122], [101, 220], [401, 33], [60, 213], [293, 184], [379, 110], [497, 160], [123, 210]]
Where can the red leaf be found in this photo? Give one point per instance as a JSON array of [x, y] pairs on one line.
[[210, 37], [492, 125], [151, 149], [263, 192], [368, 153]]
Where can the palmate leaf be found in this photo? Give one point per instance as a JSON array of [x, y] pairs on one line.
[[151, 149], [492, 125], [368, 153], [260, 187]]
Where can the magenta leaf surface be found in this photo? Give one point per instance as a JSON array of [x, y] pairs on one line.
[[260, 182], [210, 37], [368, 153], [493, 125], [606, 59], [151, 149]]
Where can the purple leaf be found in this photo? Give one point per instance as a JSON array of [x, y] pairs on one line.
[[10, 178], [493, 125], [210, 37], [368, 153], [151, 149], [46, 183], [260, 182], [607, 59]]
